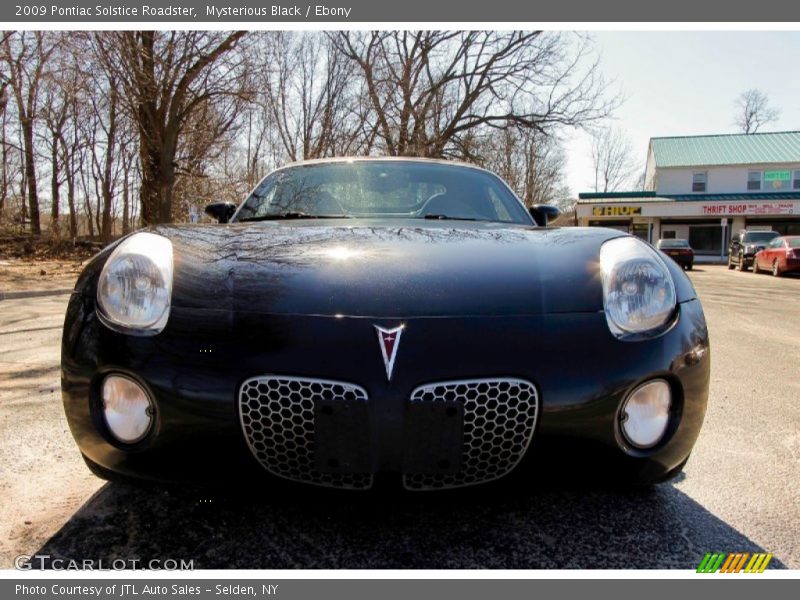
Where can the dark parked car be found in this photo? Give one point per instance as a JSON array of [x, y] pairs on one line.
[[678, 250], [370, 321], [745, 244], [782, 255]]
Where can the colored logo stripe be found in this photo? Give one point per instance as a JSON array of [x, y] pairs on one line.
[[758, 563], [734, 562], [711, 562]]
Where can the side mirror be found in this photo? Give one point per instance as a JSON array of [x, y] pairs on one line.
[[221, 211], [543, 213]]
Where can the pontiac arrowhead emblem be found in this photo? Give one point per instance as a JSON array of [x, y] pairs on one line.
[[389, 340]]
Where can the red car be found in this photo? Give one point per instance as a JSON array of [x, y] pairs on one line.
[[782, 255], [678, 250]]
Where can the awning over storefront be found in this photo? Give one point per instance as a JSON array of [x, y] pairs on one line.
[[647, 204]]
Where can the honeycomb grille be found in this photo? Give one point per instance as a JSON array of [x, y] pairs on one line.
[[277, 415], [499, 419]]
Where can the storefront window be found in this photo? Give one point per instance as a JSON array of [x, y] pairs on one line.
[[782, 227], [641, 230], [705, 238], [754, 180], [618, 225]]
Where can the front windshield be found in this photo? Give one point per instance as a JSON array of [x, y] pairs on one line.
[[759, 236], [383, 189]]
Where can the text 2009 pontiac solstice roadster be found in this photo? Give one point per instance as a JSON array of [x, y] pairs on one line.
[[363, 320]]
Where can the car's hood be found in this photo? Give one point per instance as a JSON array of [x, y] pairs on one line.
[[387, 269]]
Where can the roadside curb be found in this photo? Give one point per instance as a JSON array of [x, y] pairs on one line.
[[33, 294], [716, 261]]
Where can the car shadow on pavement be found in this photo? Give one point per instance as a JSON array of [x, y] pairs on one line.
[[484, 527]]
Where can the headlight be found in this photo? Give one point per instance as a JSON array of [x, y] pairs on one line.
[[135, 286], [638, 292]]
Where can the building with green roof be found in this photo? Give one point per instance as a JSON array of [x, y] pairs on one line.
[[704, 188]]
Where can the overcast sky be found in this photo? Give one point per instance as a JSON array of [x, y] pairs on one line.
[[686, 83]]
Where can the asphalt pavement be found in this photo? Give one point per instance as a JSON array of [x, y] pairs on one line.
[[739, 491]]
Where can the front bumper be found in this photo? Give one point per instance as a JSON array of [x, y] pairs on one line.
[[196, 367]]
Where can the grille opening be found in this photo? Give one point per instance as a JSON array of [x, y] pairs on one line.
[[499, 419], [277, 416]]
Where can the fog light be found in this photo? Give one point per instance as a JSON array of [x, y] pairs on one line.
[[645, 413], [127, 409]]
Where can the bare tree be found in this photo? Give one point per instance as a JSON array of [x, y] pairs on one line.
[[167, 78], [612, 158], [754, 111], [429, 89], [59, 88], [104, 166], [144, 126], [26, 55], [75, 82], [4, 175], [73, 141], [4, 93], [307, 85], [129, 166], [531, 162]]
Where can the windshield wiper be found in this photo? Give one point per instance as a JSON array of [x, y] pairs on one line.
[[291, 215], [448, 218]]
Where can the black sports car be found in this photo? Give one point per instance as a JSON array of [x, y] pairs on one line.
[[374, 320]]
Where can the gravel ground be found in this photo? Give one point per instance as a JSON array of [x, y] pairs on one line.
[[739, 491]]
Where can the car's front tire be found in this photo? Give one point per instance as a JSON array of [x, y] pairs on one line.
[[776, 270], [756, 270]]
